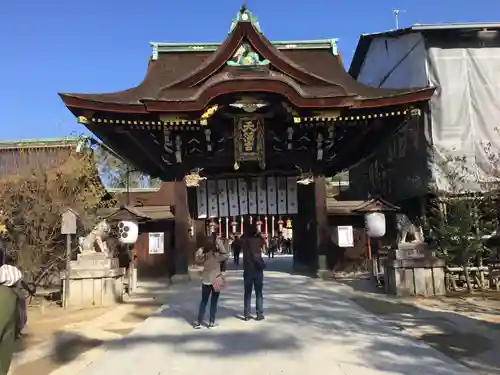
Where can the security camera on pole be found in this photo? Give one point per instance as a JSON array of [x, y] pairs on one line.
[[128, 232]]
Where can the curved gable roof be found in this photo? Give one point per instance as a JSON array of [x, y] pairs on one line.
[[181, 77]]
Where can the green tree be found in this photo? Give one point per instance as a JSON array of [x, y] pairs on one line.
[[459, 218], [32, 200]]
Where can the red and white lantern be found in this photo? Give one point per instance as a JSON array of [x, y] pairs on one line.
[[280, 225], [212, 226], [258, 224]]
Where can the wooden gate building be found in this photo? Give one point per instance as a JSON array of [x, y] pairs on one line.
[[250, 126]]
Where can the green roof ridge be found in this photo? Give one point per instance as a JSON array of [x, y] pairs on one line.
[[165, 47], [244, 15], [40, 141]]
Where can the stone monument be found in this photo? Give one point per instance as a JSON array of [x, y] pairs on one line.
[[95, 278], [412, 268]]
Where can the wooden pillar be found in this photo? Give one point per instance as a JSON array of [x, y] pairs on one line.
[[304, 230], [183, 243], [321, 221]]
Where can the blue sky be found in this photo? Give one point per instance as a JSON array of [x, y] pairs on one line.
[[103, 45]]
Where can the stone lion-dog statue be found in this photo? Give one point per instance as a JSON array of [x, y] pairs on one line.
[[98, 235], [406, 226]]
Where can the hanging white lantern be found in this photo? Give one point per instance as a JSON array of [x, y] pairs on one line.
[[375, 224], [128, 231]]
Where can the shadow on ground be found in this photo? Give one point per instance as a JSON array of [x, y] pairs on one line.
[[325, 311], [469, 341]]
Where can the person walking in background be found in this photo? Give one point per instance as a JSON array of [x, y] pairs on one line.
[[273, 247], [236, 248], [253, 272], [212, 254]]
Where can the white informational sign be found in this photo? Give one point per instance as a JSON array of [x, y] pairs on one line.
[[345, 236], [156, 243]]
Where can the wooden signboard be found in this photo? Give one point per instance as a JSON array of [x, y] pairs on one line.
[[68, 222]]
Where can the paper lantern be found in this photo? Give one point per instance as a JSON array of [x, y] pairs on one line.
[[375, 224], [128, 231]]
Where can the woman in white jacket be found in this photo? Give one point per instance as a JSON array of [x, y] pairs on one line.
[[212, 254]]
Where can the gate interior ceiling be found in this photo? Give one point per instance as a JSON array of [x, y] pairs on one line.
[[246, 107]]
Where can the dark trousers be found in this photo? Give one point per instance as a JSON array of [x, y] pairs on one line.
[[236, 254], [253, 279], [206, 291]]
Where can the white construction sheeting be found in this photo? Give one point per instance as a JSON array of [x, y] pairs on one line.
[[465, 111], [395, 62], [466, 107]]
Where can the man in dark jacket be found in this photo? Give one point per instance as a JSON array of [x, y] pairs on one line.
[[253, 272]]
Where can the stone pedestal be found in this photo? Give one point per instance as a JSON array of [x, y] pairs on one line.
[[414, 270], [323, 271], [95, 280]]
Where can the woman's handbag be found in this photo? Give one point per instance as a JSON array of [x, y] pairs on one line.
[[219, 283]]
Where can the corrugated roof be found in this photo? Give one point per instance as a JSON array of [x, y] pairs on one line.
[[366, 39], [339, 207], [336, 207], [41, 142], [133, 190], [36, 153], [146, 213]]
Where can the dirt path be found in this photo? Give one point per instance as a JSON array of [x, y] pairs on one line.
[[45, 322], [55, 338], [464, 328]]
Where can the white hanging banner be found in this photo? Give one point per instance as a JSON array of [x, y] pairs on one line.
[[243, 196], [292, 200], [282, 195], [223, 203], [201, 199], [213, 210], [261, 196], [252, 197], [232, 188], [271, 196]]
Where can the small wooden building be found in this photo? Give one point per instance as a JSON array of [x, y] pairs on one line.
[[352, 214], [154, 211]]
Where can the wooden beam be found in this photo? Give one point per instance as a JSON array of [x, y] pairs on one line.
[[147, 151]]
